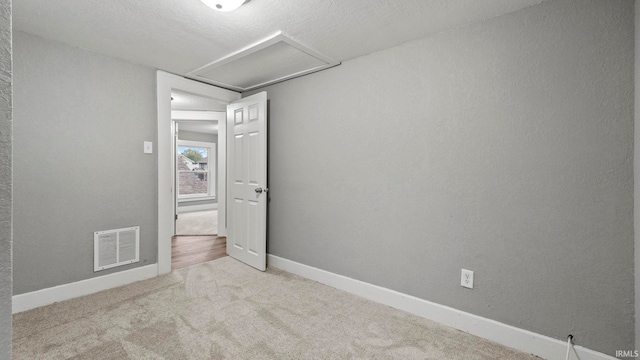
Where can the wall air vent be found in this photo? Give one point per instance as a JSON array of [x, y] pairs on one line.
[[272, 60], [117, 247]]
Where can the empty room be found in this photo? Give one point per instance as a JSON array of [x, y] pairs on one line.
[[443, 179]]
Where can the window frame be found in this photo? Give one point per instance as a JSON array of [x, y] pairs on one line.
[[211, 164]]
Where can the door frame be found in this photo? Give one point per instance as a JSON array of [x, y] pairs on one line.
[[166, 83]]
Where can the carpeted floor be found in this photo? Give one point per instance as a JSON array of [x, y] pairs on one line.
[[223, 309], [197, 223]]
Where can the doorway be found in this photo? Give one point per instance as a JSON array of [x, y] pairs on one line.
[[196, 173], [195, 237], [167, 85], [244, 128]]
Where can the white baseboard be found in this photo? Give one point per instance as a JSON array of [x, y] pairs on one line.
[[48, 296], [513, 337]]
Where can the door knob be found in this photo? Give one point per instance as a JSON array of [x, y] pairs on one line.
[[260, 190]]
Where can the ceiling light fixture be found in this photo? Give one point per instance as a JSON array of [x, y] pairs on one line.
[[224, 5]]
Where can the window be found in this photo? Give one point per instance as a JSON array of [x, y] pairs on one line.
[[195, 169]]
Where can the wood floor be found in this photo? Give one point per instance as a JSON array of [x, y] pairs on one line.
[[191, 250]]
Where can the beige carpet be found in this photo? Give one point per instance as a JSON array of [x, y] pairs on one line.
[[223, 309], [197, 223]]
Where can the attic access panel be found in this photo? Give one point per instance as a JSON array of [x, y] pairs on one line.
[[275, 59]]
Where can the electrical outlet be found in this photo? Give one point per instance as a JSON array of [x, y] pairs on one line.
[[466, 279]]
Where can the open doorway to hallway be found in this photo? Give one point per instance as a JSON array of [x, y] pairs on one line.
[[196, 227], [167, 86]]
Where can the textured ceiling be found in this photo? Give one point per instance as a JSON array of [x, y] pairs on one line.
[[181, 36]]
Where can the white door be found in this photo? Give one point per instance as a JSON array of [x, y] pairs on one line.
[[247, 180]]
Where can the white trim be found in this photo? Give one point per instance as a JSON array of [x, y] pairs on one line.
[[211, 166], [520, 339], [192, 208], [166, 83], [222, 177], [54, 294], [196, 115], [206, 144], [187, 199], [208, 115]]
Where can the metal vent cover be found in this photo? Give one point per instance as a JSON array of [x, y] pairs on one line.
[[272, 60], [116, 247]]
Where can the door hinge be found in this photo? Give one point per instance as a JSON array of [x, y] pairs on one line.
[[176, 217]]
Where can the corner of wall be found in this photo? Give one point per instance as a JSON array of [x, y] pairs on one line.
[[636, 175], [6, 194]]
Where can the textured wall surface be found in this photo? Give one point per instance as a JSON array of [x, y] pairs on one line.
[[504, 147], [81, 120], [636, 172], [5, 179]]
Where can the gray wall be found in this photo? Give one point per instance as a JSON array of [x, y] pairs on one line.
[[197, 136], [636, 170], [504, 147], [5, 179], [80, 122]]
